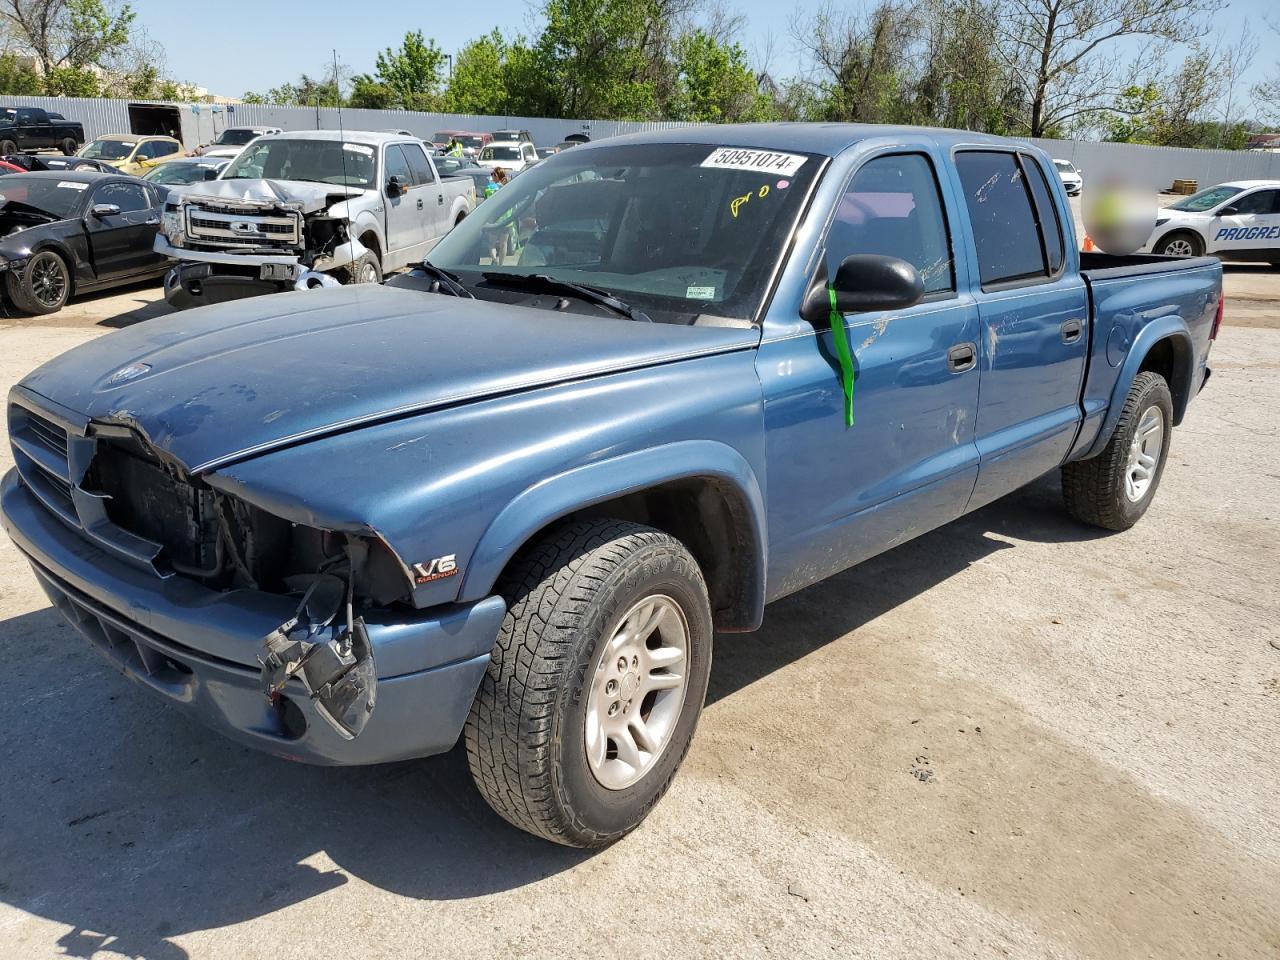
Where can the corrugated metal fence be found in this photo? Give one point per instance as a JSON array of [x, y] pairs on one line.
[[1155, 167]]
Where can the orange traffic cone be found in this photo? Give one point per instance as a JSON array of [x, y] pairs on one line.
[[1088, 244]]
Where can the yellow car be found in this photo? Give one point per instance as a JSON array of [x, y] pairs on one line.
[[130, 153]]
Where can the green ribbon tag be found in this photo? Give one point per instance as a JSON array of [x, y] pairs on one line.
[[847, 376]]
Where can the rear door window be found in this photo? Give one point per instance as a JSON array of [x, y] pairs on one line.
[[1046, 213], [1004, 223]]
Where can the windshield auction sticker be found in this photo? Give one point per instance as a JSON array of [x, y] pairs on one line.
[[757, 161], [71, 185]]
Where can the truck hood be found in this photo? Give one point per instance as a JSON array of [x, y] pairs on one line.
[[304, 196], [219, 384]]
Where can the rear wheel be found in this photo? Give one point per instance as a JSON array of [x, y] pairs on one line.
[[596, 683], [1114, 489], [1180, 243], [68, 146], [43, 287]]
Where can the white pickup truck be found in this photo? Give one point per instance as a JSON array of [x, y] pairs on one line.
[[294, 209]]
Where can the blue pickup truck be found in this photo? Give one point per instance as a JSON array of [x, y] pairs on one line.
[[654, 384]]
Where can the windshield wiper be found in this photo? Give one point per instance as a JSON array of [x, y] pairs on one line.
[[446, 280], [540, 281]]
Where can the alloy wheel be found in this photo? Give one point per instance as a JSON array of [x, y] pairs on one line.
[[1144, 454], [637, 692]]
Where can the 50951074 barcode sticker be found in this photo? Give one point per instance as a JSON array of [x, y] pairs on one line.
[[759, 161]]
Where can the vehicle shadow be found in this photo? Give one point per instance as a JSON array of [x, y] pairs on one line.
[[142, 308], [130, 823]]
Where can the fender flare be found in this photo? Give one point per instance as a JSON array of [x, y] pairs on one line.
[[1165, 328], [585, 486]]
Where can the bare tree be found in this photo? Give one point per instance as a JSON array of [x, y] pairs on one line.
[[1064, 54]]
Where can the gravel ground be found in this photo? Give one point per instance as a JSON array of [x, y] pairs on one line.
[[1011, 737]]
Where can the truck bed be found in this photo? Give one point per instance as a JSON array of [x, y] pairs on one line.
[[1107, 266], [1134, 297]]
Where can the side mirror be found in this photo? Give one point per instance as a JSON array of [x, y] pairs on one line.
[[105, 210], [211, 173], [865, 282], [1229, 211], [396, 187]]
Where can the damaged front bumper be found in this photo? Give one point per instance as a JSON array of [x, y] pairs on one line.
[[203, 277], [201, 649]]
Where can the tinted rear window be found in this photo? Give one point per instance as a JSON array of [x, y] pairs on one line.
[[1004, 224]]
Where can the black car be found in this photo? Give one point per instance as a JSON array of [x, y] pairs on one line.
[[46, 161], [68, 232], [185, 170]]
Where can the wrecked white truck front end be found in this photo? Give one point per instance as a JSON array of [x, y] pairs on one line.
[[238, 238]]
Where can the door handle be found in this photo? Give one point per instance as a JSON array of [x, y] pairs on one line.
[[1071, 330], [153, 221], [962, 357]]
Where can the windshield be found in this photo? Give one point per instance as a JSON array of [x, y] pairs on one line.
[[677, 230], [314, 161], [234, 137], [1065, 166], [1205, 199], [58, 198], [500, 153], [181, 173], [108, 149]]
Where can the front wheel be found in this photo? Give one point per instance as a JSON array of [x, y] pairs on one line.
[[1114, 489], [1180, 243], [43, 287], [7, 147], [68, 147], [368, 269], [596, 682]]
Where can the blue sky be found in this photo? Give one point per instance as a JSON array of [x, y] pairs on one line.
[[236, 45]]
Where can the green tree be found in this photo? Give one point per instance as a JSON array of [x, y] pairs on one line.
[[72, 82], [413, 71], [478, 83], [368, 93], [17, 78], [68, 33], [597, 57], [714, 82]]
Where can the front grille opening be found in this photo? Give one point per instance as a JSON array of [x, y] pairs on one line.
[[152, 501], [47, 433]]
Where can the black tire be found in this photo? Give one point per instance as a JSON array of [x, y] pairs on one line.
[[525, 736], [1193, 239], [7, 147], [368, 269], [1095, 489], [68, 147], [43, 285]]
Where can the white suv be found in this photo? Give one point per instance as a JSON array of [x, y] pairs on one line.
[[1072, 182], [511, 155], [1233, 221]]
